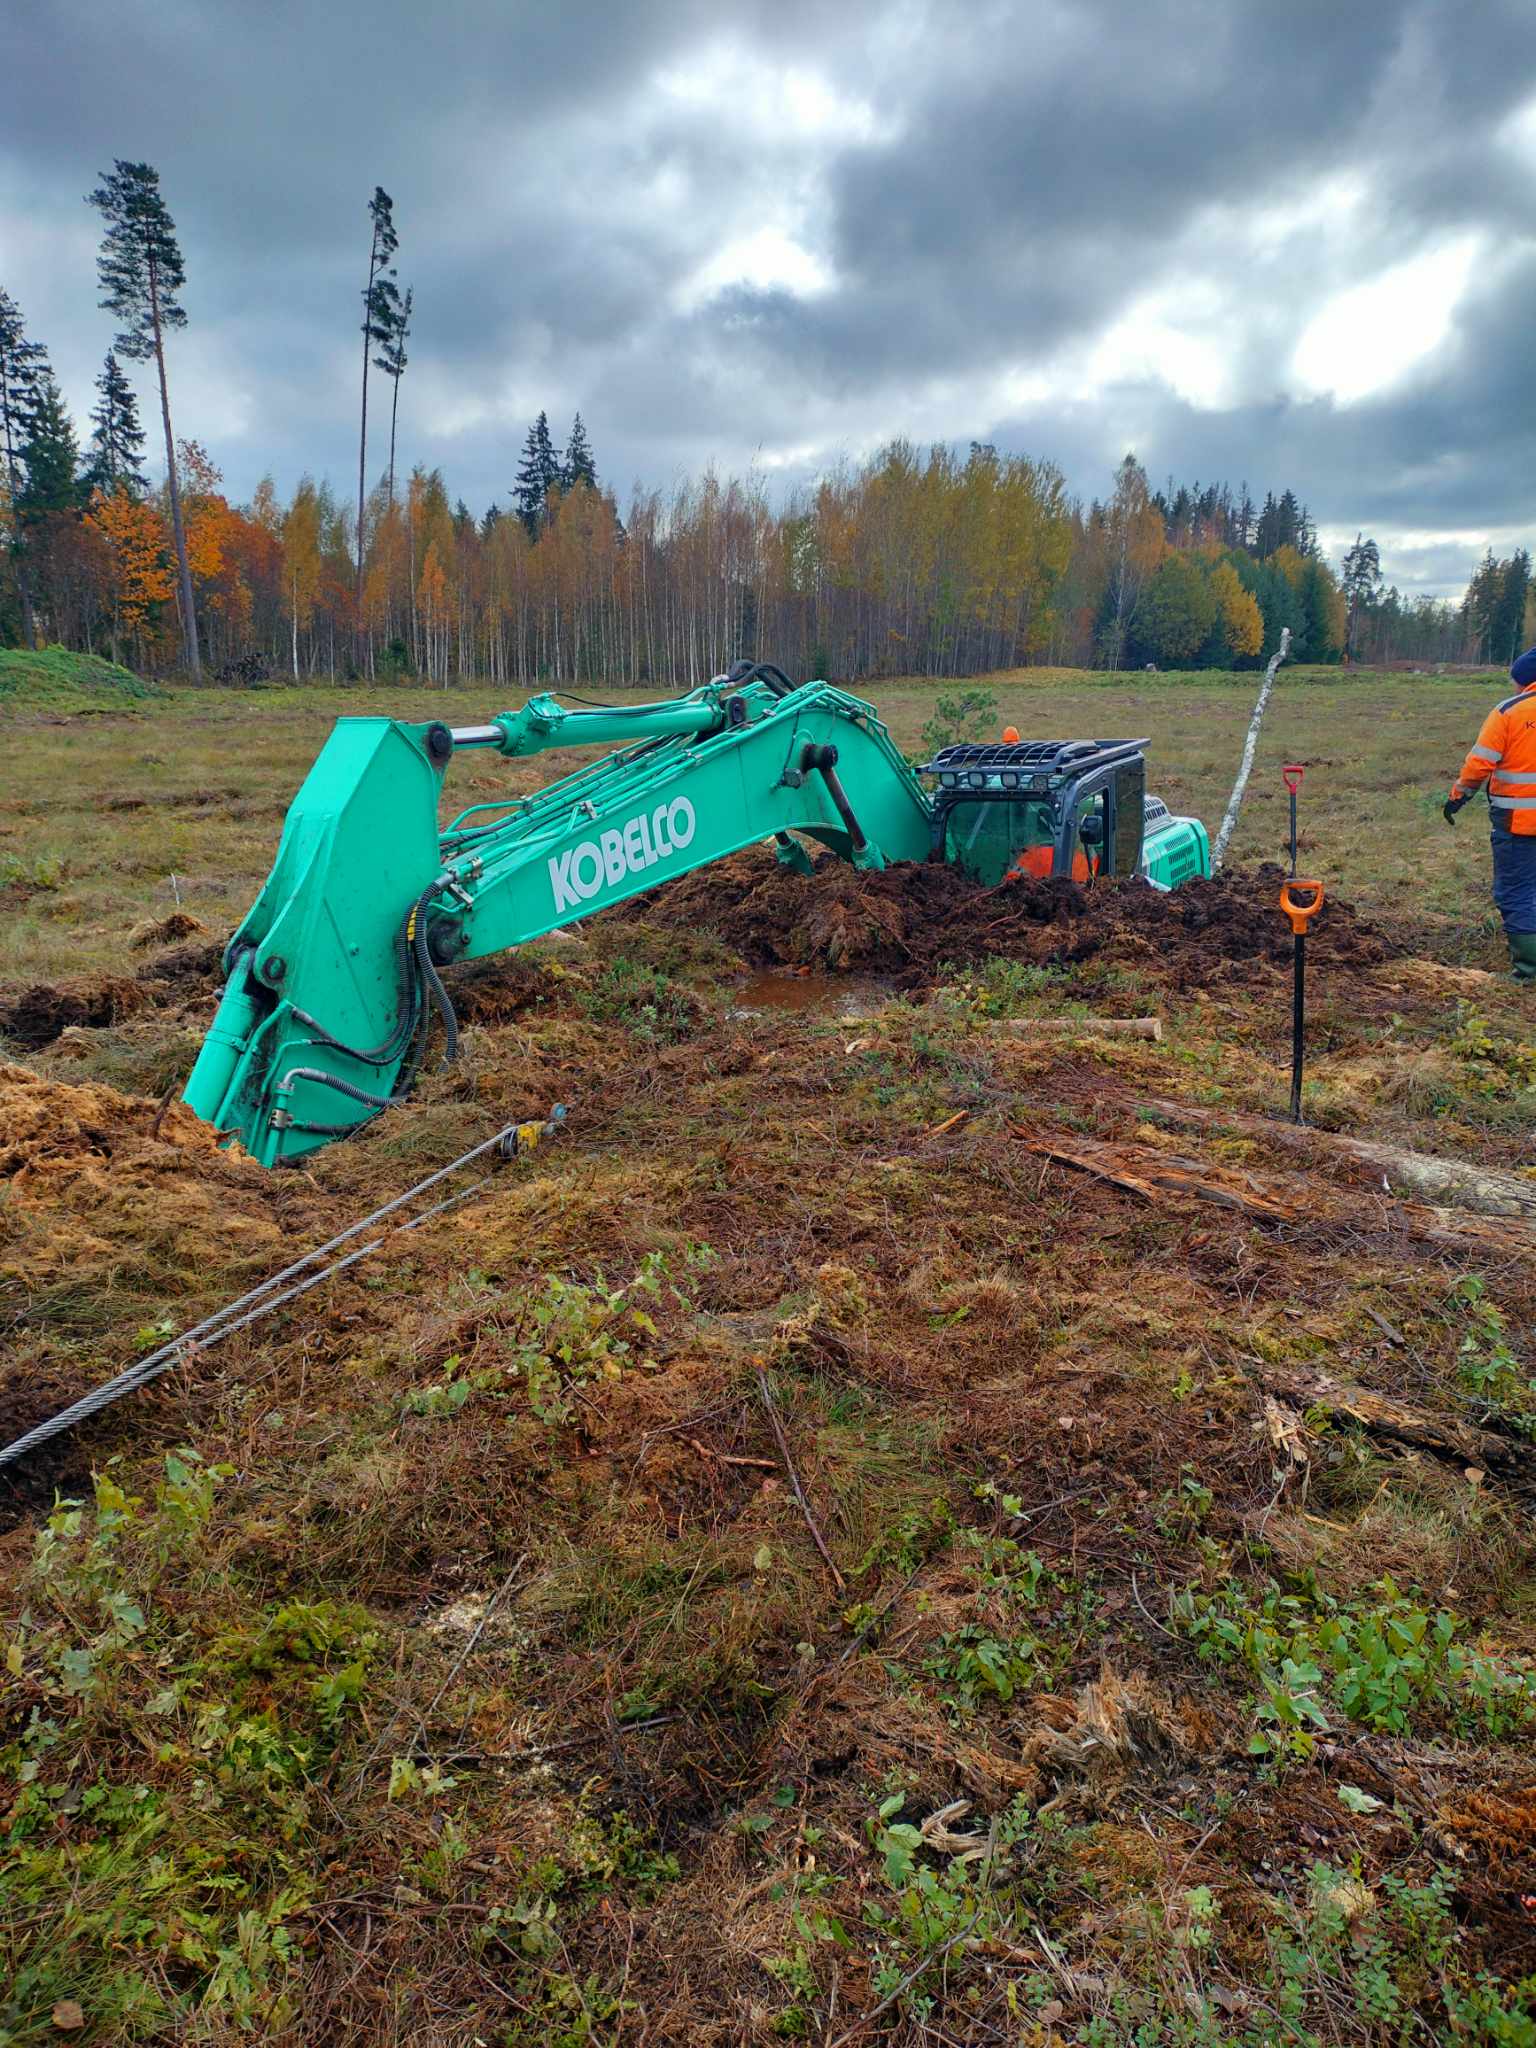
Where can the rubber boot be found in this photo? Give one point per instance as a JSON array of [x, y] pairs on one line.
[[1522, 955]]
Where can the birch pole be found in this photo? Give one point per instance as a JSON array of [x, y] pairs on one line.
[[1235, 801]]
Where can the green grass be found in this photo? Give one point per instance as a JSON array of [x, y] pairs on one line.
[[194, 784], [54, 680]]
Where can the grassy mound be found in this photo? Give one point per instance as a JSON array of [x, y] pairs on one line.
[[55, 680]]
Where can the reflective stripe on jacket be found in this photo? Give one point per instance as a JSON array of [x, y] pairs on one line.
[[1505, 759]]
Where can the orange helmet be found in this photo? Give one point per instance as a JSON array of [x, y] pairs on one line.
[[1010, 735]]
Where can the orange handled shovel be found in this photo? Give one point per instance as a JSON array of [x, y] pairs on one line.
[[1301, 915]]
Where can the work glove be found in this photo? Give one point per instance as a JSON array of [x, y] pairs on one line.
[[1451, 806]]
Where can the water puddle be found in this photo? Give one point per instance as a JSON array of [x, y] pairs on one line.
[[773, 990]]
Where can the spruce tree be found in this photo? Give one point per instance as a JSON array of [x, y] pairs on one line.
[[579, 466], [1506, 622], [117, 440], [392, 360], [538, 474], [141, 273], [23, 364], [381, 308], [50, 458]]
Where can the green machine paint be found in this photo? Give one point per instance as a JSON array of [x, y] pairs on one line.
[[333, 977]]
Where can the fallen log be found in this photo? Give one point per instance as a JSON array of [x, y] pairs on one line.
[[1443, 1437], [1074, 1027], [1292, 1198], [1455, 1183]]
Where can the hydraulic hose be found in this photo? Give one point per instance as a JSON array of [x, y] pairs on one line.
[[406, 1017], [429, 974]]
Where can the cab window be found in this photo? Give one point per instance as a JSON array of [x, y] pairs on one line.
[[986, 839]]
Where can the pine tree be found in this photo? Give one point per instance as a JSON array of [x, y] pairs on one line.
[[538, 474], [493, 518], [23, 364], [1362, 580], [141, 273], [117, 439], [579, 466], [381, 307], [1481, 602], [392, 360]]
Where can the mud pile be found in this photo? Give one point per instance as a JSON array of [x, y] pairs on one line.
[[38, 1015], [910, 920], [34, 1017]]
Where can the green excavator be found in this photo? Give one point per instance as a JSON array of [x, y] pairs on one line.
[[335, 975]]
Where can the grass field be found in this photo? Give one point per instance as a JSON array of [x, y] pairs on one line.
[[102, 809], [933, 1528]]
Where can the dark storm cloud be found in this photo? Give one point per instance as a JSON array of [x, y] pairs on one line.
[[975, 196]]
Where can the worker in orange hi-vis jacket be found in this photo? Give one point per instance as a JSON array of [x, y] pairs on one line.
[[1504, 760]]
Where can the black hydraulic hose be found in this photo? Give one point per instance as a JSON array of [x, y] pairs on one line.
[[430, 975], [768, 671], [406, 1017], [349, 1088]]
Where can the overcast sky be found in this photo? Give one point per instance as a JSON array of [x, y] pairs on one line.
[[1288, 243]]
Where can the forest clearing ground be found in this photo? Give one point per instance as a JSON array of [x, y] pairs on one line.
[[452, 1660]]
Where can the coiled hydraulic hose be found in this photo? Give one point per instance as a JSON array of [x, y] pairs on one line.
[[414, 954]]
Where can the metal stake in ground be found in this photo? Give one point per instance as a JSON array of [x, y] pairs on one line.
[[1293, 772], [1301, 915]]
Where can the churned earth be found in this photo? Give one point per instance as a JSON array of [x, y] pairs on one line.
[[944, 1524]]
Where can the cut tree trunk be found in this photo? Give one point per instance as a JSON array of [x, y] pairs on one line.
[[1455, 1183], [1293, 1198], [178, 528]]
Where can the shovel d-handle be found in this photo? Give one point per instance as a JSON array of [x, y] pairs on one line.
[[1300, 913], [1291, 774]]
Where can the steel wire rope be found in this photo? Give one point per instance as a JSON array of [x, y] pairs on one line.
[[262, 1299]]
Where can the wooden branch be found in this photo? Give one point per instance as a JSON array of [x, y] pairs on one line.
[[726, 1457], [1235, 801], [771, 1406], [1079, 1027]]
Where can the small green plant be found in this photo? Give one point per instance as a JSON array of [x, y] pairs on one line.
[[1487, 1365], [643, 999], [572, 1335], [959, 715], [34, 873], [1385, 1663]]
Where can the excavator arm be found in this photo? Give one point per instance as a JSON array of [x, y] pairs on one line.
[[333, 978]]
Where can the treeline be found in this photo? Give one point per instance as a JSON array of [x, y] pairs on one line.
[[918, 561]]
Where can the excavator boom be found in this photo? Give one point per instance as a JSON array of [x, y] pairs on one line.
[[333, 976]]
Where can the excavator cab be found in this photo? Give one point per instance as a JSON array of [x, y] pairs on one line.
[[1076, 809]]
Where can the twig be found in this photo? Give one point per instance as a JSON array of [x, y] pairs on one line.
[[726, 1458], [1392, 1336], [766, 1392], [1136, 1596]]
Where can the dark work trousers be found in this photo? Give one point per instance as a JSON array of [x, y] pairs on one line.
[[1514, 879]]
